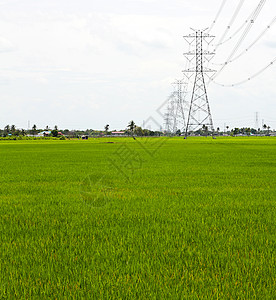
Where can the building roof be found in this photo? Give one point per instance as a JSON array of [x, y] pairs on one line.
[[45, 132]]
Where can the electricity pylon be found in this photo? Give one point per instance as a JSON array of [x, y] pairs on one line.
[[199, 116], [175, 115], [180, 106], [257, 120], [168, 117]]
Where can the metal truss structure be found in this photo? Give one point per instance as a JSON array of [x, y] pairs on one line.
[[199, 117], [175, 114]]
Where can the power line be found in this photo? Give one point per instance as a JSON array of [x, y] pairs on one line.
[[251, 45], [243, 36], [230, 23], [249, 18], [249, 78], [217, 15]]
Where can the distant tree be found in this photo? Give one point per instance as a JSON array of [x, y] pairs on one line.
[[17, 132], [13, 129], [227, 127], [106, 128], [264, 128], [54, 133], [131, 126], [248, 130], [205, 129], [178, 132], [56, 128], [138, 131], [47, 128], [34, 129], [23, 132], [253, 130], [146, 132], [236, 131], [7, 130], [66, 131]]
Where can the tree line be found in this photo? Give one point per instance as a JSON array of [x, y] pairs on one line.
[[131, 130]]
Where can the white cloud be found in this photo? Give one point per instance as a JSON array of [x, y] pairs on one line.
[[6, 45]]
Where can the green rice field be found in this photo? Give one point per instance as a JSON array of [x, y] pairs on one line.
[[151, 218]]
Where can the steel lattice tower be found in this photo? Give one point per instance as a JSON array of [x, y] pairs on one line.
[[199, 116], [179, 115], [175, 115], [168, 117]]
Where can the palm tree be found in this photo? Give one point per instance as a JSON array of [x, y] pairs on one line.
[[248, 130], [106, 127], [236, 131], [131, 126], [13, 129], [7, 129], [264, 127], [205, 129], [34, 129]]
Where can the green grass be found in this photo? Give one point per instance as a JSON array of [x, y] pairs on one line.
[[193, 219]]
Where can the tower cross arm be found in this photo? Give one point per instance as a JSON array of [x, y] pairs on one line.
[[203, 53]]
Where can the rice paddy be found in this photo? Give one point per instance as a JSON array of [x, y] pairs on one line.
[[152, 218]]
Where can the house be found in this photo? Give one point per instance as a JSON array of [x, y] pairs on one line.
[[118, 133], [44, 133]]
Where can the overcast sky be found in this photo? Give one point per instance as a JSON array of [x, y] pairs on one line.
[[87, 63]]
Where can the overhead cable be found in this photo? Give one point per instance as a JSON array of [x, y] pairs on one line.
[[217, 15], [230, 23], [243, 36], [251, 45], [248, 20], [249, 78]]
